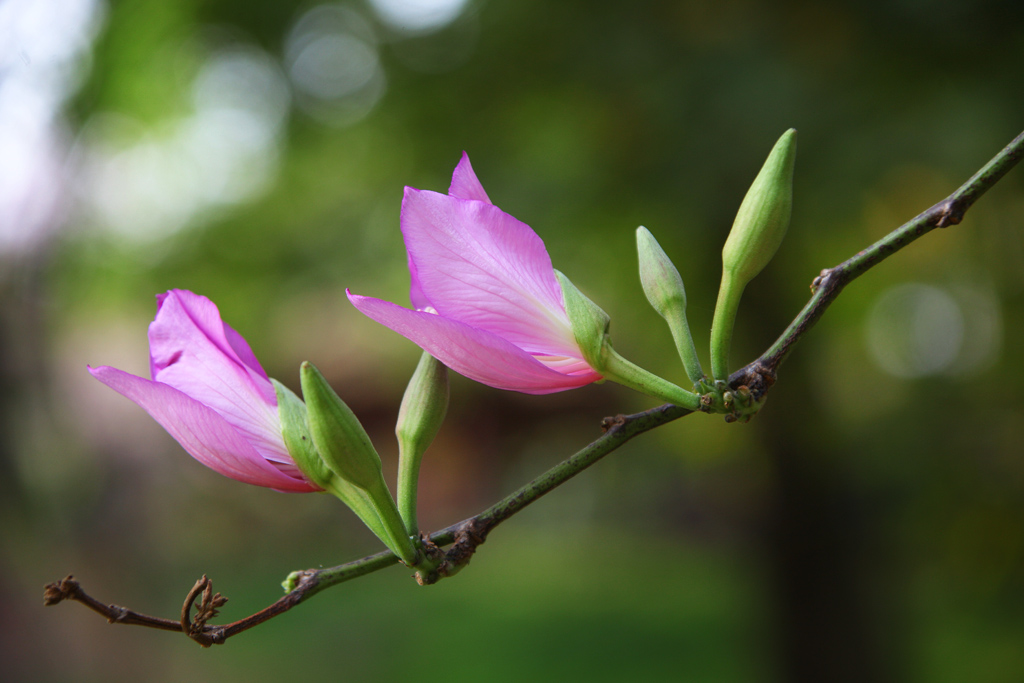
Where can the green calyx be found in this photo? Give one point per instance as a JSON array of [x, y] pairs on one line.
[[299, 441], [589, 323], [590, 328], [757, 232]]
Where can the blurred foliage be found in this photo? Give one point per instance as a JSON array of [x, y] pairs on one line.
[[866, 526]]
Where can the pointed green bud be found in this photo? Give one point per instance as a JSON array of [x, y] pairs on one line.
[[763, 217], [424, 405], [297, 439], [756, 234], [664, 289], [423, 410], [589, 323], [346, 449], [659, 277], [337, 434]]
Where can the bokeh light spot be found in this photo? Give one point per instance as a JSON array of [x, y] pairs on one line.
[[332, 61], [915, 330], [145, 184], [418, 15]]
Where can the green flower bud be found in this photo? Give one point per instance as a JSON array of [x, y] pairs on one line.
[[763, 217], [589, 323], [659, 277], [756, 234], [423, 410], [299, 442], [664, 289], [337, 433], [297, 439], [346, 449]]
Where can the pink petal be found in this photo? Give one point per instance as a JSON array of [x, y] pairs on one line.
[[192, 350], [244, 352], [416, 296], [206, 436], [465, 184], [480, 266], [479, 355]]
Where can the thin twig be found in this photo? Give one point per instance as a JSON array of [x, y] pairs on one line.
[[68, 589], [466, 536]]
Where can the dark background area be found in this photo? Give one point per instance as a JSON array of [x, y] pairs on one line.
[[868, 525]]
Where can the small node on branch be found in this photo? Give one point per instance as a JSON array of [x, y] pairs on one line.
[[65, 589], [609, 423], [471, 534], [208, 607], [948, 214], [820, 279]]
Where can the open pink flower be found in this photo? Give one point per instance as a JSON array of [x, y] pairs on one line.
[[488, 304], [211, 394]]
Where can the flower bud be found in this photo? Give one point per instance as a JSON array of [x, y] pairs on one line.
[[337, 434], [347, 451], [659, 277], [664, 289], [589, 323], [423, 409], [756, 234], [763, 217], [424, 406], [297, 439]]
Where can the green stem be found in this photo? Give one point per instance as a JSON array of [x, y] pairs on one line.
[[401, 544], [683, 338], [729, 295], [621, 371], [358, 500], [408, 480]]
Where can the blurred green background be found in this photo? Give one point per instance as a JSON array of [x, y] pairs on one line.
[[868, 525]]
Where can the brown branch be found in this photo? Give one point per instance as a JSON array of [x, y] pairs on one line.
[[761, 373], [466, 536], [68, 589]]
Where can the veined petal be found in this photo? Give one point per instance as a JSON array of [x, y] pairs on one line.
[[465, 184], [190, 309], [480, 266], [207, 436], [416, 297], [192, 350], [477, 354]]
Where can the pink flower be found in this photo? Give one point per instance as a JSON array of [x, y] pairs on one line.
[[211, 394], [488, 304]]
